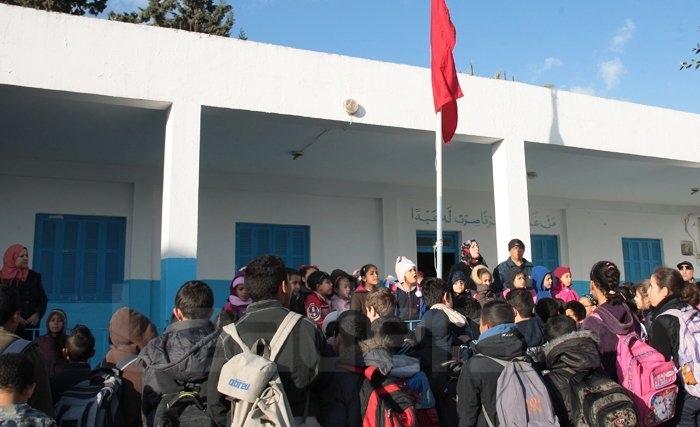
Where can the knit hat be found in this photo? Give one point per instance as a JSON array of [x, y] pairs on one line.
[[515, 242], [560, 271], [238, 279], [403, 264], [457, 275]]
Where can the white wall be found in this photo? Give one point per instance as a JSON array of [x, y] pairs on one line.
[[24, 197], [345, 232], [96, 56], [595, 235]]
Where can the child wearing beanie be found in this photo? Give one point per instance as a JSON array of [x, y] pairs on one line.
[[237, 302], [409, 299], [563, 282]]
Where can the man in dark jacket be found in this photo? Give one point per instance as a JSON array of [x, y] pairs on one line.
[[299, 357], [505, 272], [179, 359], [476, 388], [569, 352]]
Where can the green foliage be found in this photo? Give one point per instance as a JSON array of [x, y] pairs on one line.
[[693, 63], [74, 7], [201, 16]]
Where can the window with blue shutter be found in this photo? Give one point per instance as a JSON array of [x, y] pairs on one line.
[[80, 257], [289, 242], [545, 250], [641, 257]]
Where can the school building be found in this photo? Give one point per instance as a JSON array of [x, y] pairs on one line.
[[135, 158]]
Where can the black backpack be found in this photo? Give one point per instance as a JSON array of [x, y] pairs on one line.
[[184, 408], [599, 401]]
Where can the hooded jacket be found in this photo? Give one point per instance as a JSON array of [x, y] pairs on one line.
[[129, 332], [49, 346], [538, 274], [532, 330], [483, 292], [577, 351], [479, 377], [182, 355], [609, 320]]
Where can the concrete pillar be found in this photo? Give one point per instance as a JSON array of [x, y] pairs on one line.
[[178, 239], [510, 195]]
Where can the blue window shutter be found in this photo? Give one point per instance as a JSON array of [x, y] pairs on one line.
[[46, 251], [244, 244], [641, 257], [112, 272], [545, 250], [80, 256], [289, 242]]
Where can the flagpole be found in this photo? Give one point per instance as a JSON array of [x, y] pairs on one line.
[[438, 194]]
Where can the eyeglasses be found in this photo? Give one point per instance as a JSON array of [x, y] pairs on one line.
[[685, 267]]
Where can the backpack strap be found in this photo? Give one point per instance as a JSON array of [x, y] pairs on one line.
[[233, 332], [283, 332], [126, 362], [17, 346], [499, 361]]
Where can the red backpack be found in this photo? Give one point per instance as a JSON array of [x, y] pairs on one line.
[[384, 401]]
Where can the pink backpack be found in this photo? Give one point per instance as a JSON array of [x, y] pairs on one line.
[[648, 378]]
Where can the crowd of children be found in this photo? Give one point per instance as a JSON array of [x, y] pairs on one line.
[[477, 349]]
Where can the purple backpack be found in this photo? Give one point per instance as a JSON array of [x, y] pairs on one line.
[[688, 348]]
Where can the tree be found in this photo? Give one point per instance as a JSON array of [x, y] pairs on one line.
[[693, 62], [201, 16], [74, 7]]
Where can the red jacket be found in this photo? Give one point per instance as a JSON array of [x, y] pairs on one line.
[[317, 308]]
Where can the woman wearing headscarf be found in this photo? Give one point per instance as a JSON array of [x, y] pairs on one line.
[[15, 272], [469, 258]]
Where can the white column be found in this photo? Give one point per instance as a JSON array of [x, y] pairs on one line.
[[510, 195], [180, 182], [178, 239]]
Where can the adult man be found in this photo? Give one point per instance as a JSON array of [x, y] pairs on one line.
[[9, 321], [179, 359], [687, 271], [299, 357], [505, 272]]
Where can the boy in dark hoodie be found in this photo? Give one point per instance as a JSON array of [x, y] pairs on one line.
[[529, 325], [568, 353], [179, 359], [476, 388]]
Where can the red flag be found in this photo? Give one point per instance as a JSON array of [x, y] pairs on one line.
[[446, 88]]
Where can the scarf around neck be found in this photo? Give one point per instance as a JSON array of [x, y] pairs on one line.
[[452, 314]]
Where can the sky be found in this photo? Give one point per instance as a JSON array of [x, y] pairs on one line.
[[629, 50]]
